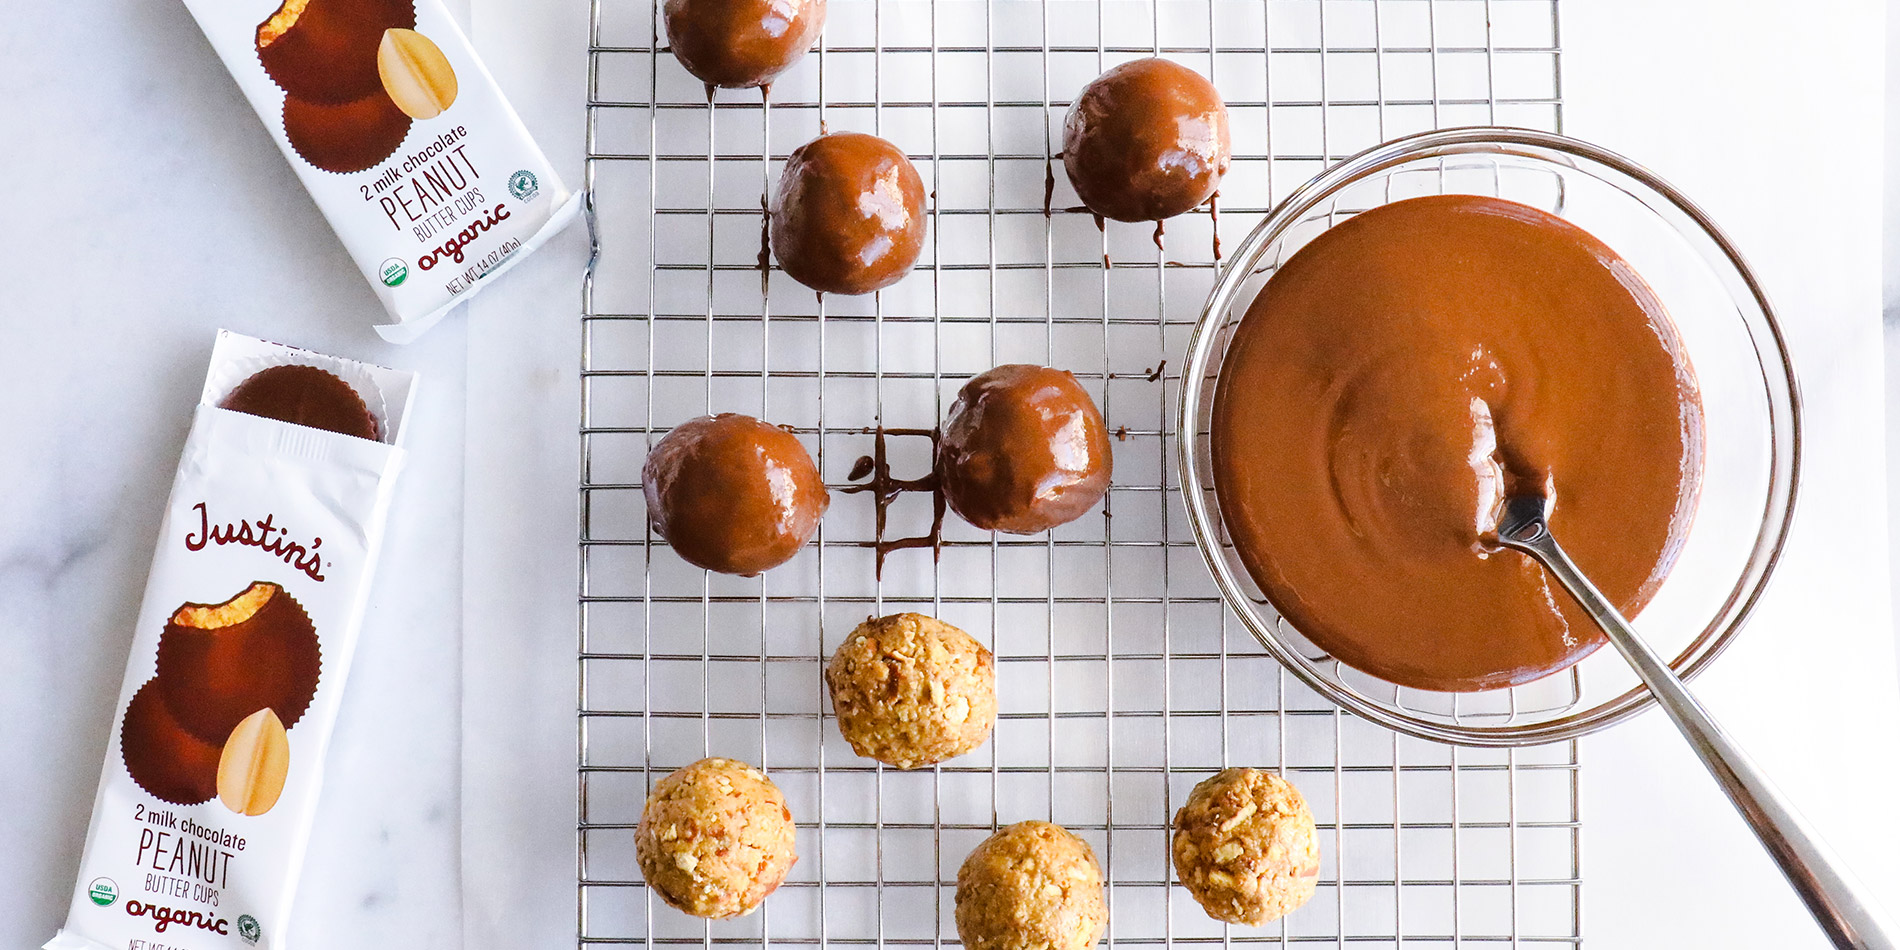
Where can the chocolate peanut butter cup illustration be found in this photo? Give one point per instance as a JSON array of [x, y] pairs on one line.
[[305, 396], [162, 756], [324, 51], [219, 663], [347, 137]]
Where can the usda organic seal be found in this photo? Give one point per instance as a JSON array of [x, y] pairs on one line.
[[393, 272], [103, 891]]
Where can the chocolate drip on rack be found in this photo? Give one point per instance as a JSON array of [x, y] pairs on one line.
[[884, 489], [765, 208], [1213, 216], [1049, 184], [765, 245]]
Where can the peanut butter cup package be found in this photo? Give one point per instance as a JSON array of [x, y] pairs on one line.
[[238, 659], [400, 134]]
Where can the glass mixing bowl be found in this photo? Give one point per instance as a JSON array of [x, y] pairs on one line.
[[1750, 401]]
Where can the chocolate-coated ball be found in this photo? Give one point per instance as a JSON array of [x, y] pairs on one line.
[[848, 214], [1024, 449], [1146, 140], [733, 494], [740, 43]]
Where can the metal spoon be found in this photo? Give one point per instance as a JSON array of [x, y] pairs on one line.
[[1839, 902]]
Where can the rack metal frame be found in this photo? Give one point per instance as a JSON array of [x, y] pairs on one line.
[[1122, 680]]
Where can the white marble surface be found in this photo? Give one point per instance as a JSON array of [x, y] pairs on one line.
[[1752, 99], [148, 208], [159, 210]]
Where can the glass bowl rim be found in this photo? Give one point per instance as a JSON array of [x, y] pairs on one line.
[[1770, 348]]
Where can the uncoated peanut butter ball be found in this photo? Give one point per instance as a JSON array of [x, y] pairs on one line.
[[1246, 847], [715, 838], [1031, 886], [911, 690]]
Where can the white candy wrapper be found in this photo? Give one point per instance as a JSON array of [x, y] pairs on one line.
[[400, 134], [238, 662]]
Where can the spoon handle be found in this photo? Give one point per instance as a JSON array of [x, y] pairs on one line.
[[1839, 902]]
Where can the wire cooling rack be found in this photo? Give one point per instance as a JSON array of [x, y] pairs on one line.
[[1122, 680]]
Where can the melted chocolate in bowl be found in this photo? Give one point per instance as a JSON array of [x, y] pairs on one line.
[[1401, 374]]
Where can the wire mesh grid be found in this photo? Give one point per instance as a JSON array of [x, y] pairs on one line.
[[1122, 680]]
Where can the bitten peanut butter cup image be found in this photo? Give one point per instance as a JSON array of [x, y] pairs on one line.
[[183, 738], [219, 663], [324, 52]]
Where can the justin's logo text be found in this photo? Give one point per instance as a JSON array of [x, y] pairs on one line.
[[261, 534]]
